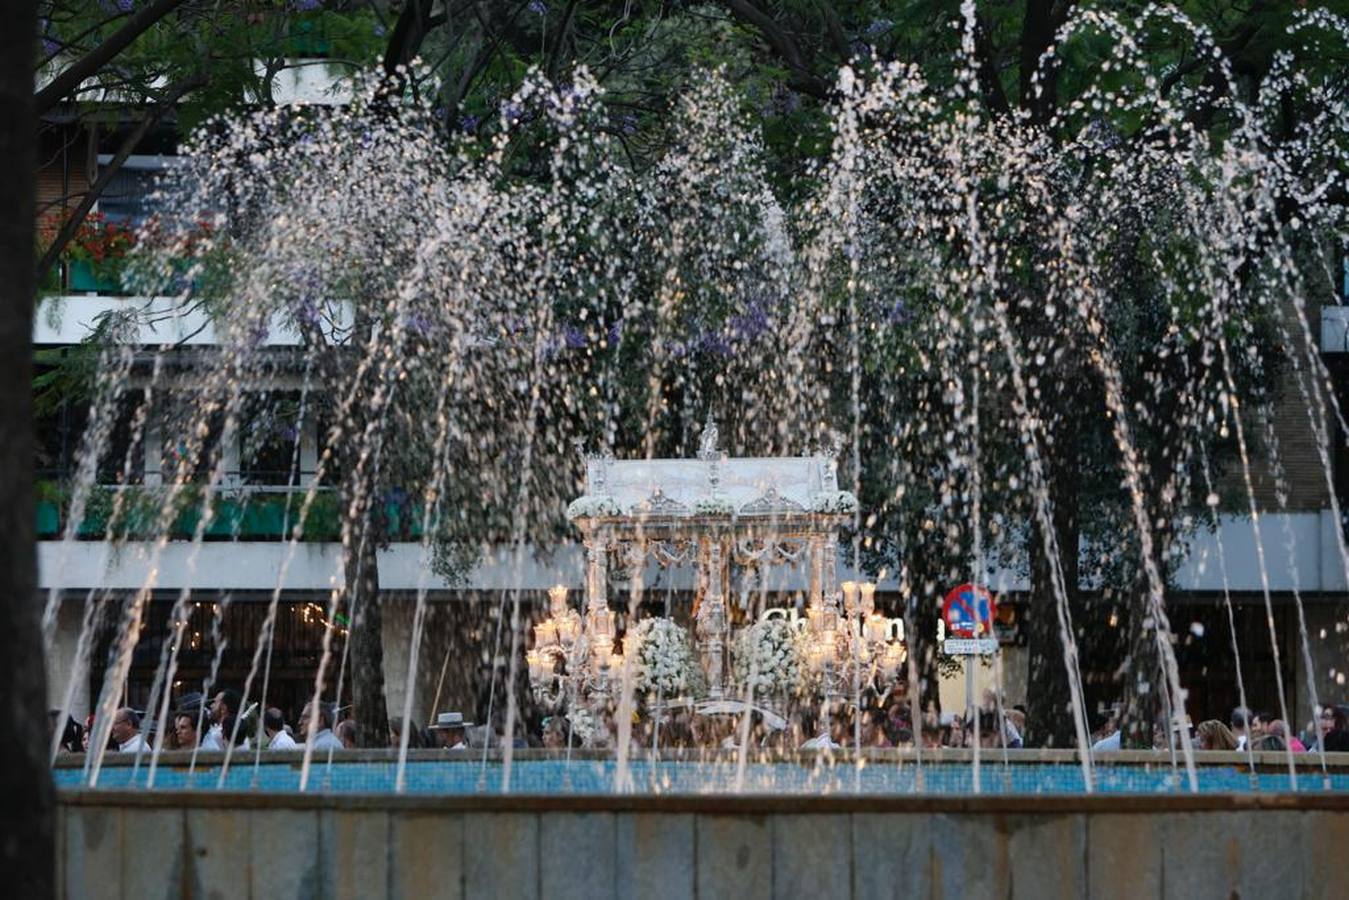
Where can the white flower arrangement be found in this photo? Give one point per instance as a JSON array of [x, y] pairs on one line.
[[771, 649], [715, 505], [665, 663], [834, 502], [593, 507], [587, 727]]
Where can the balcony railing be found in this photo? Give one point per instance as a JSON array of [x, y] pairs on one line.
[[249, 513]]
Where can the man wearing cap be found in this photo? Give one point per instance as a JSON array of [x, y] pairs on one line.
[[126, 731], [449, 730]]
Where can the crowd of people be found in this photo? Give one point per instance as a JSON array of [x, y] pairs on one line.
[[1243, 730], [879, 722], [197, 722]]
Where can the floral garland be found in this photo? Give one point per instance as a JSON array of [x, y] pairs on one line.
[[834, 502], [664, 660], [593, 507], [771, 648], [714, 505]]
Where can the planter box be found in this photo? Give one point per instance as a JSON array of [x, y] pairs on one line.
[[268, 520], [83, 277], [48, 518]]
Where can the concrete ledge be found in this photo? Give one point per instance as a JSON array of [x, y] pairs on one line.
[[722, 804], [207, 844]]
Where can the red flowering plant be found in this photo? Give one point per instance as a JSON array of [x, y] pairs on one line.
[[102, 244]]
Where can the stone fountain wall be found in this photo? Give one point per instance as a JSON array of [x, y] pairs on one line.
[[140, 845]]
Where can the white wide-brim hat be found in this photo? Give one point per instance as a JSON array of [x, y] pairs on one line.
[[448, 720]]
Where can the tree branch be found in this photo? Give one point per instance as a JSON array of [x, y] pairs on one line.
[[148, 121], [806, 81], [101, 55], [990, 79], [1040, 86], [555, 54], [413, 24]]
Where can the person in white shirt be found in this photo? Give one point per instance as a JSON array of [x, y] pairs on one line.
[[324, 739], [1109, 742], [126, 731], [224, 709], [275, 726]]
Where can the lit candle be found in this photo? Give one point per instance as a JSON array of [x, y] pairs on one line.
[[868, 589], [875, 628], [849, 597], [557, 599], [537, 665], [545, 633]]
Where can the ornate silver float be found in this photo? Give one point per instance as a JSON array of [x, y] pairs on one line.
[[714, 513]]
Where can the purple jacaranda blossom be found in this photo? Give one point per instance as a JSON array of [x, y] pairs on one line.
[[718, 343], [573, 338], [418, 323], [626, 122], [511, 112], [615, 333], [126, 6], [538, 7], [878, 27], [305, 5], [750, 324], [469, 123], [895, 313], [898, 313], [50, 48]]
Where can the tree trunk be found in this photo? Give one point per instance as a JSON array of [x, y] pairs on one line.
[[1145, 691], [925, 618], [26, 822], [1048, 696], [366, 634]]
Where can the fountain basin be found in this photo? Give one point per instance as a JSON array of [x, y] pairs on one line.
[[797, 838]]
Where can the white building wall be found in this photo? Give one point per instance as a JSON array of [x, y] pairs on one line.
[[1300, 552]]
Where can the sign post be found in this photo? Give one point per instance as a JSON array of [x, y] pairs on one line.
[[968, 612]]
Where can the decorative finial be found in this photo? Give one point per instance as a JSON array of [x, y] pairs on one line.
[[707, 444], [596, 465]]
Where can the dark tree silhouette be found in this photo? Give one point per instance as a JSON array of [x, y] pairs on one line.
[[26, 814]]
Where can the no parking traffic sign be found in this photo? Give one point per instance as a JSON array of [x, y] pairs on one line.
[[968, 612]]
